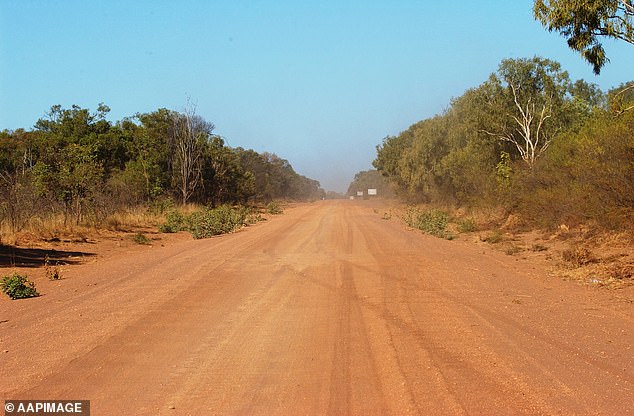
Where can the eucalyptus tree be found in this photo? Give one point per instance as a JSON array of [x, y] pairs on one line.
[[527, 99], [584, 22]]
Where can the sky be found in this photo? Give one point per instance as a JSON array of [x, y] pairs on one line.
[[319, 83]]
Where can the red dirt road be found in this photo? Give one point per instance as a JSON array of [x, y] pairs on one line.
[[326, 310]]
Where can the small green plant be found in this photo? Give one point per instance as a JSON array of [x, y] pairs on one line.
[[467, 225], [141, 238], [175, 222], [254, 218], [433, 221], [162, 205], [18, 287], [52, 272], [494, 238], [274, 208]]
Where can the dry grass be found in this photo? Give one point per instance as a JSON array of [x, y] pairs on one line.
[[586, 253], [54, 229], [132, 219]]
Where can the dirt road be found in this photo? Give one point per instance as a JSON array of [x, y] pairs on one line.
[[326, 310]]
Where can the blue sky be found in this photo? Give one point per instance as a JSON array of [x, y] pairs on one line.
[[318, 83]]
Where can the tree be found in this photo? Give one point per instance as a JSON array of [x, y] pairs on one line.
[[621, 99], [224, 179], [370, 179], [190, 133], [150, 150], [527, 98], [70, 165], [389, 155], [583, 22]]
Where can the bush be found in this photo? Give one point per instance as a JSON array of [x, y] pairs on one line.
[[208, 222], [215, 221], [274, 208], [175, 222], [18, 287], [141, 238], [467, 225], [433, 221]]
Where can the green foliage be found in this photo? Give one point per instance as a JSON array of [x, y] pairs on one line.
[[215, 221], [528, 140], [503, 170], [582, 23], [430, 221], [141, 238], [528, 99], [621, 99], [162, 205], [467, 225], [209, 221], [174, 223], [370, 179], [77, 163], [18, 287], [588, 175], [274, 208]]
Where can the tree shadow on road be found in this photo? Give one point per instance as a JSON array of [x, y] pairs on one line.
[[36, 257]]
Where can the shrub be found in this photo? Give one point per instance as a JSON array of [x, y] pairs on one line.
[[433, 221], [174, 223], [215, 221], [495, 237], [141, 238], [18, 287], [209, 222], [274, 208], [253, 218], [467, 225]]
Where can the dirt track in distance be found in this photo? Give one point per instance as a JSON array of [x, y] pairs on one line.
[[326, 310]]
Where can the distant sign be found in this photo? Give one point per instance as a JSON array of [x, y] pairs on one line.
[[359, 193], [371, 191]]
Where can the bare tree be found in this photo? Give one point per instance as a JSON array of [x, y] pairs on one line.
[[190, 132], [527, 133], [525, 98]]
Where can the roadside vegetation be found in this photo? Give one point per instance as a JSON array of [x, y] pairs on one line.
[[531, 149], [528, 141], [17, 286], [208, 222], [76, 170]]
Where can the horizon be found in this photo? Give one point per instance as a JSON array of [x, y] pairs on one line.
[[320, 85]]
